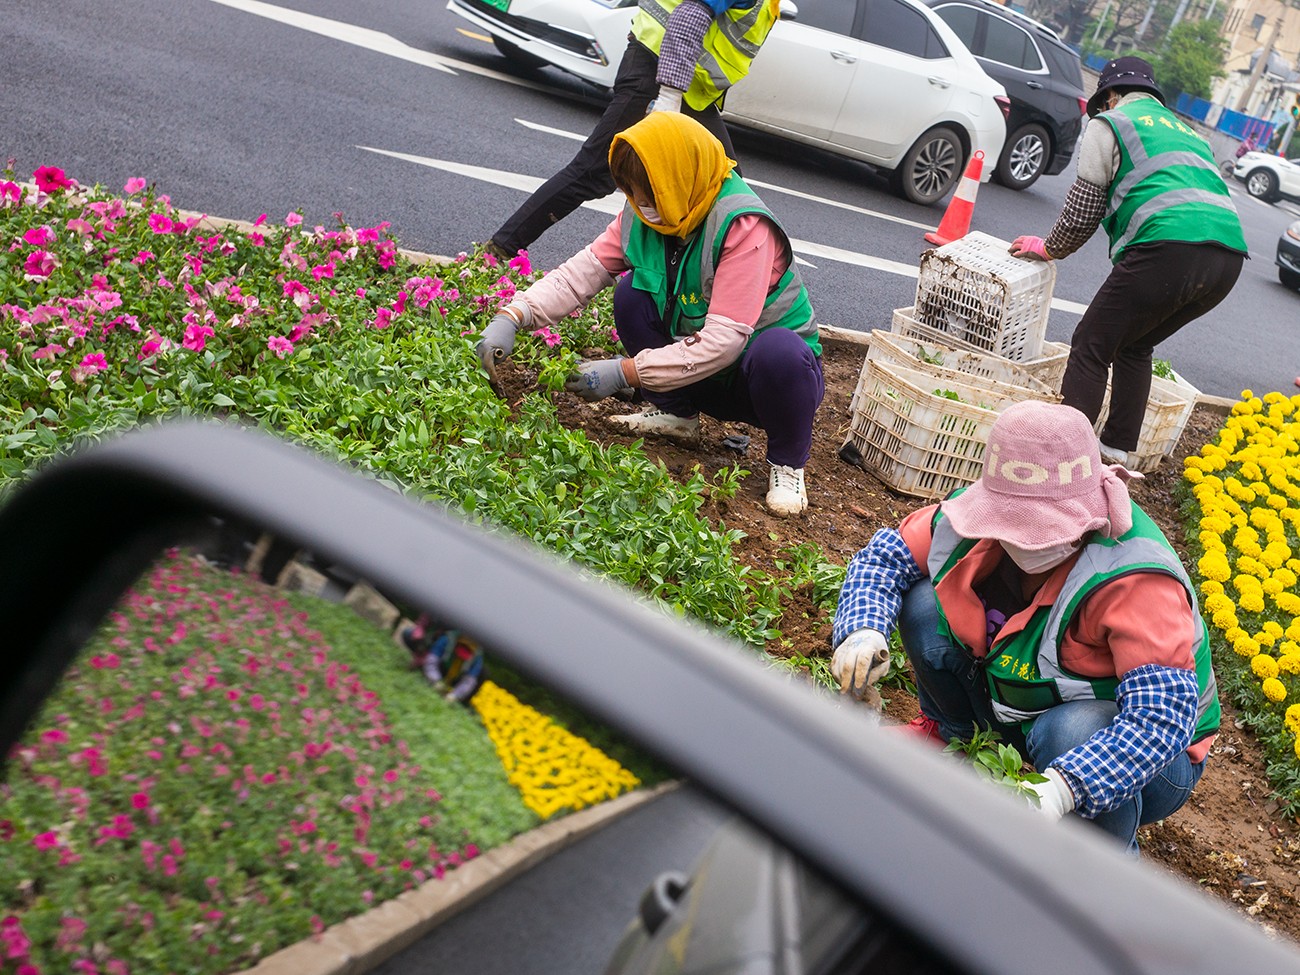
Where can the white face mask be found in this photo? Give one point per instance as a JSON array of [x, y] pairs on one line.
[[1039, 560], [650, 214]]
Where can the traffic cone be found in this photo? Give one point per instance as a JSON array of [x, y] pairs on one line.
[[956, 219]]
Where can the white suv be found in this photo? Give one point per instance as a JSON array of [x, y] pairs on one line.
[[883, 81], [1269, 178]]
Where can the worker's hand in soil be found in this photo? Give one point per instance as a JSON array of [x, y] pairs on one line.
[[498, 340], [860, 662], [594, 379]]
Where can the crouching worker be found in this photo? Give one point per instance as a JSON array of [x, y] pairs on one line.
[[713, 314], [1042, 603], [451, 661]]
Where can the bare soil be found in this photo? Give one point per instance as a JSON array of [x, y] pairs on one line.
[[1230, 840]]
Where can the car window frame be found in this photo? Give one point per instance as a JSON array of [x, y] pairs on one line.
[[927, 17]]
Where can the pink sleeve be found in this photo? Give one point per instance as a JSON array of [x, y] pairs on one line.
[[575, 282], [608, 247], [1141, 618]]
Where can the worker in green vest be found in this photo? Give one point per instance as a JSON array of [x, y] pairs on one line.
[[1042, 603], [1175, 241], [681, 56], [708, 303]]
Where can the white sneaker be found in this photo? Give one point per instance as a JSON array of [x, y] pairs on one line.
[[785, 491], [656, 422], [1113, 455]]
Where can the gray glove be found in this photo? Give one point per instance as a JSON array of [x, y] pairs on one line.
[[596, 379], [860, 662], [497, 341]]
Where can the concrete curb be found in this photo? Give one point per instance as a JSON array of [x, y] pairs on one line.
[[360, 943]]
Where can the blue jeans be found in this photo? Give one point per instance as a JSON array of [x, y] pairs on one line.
[[952, 692]]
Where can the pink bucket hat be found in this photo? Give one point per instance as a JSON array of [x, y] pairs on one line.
[[1043, 482]]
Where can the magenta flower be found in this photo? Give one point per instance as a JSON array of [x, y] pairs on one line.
[[280, 345], [292, 219], [134, 185], [550, 338], [143, 257], [160, 223], [48, 352], [9, 190], [383, 318], [40, 264], [521, 263], [94, 362], [48, 840], [196, 337], [39, 236], [51, 179]]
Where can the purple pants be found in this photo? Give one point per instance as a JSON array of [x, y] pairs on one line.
[[777, 384]]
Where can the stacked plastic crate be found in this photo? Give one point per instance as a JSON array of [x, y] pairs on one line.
[[972, 345]]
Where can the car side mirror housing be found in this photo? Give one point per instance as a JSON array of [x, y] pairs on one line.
[[788, 10]]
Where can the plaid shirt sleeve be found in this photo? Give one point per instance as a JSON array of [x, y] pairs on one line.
[[1085, 205], [1157, 717], [682, 44], [874, 584]]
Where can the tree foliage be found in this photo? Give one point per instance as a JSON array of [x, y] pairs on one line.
[[1191, 59]]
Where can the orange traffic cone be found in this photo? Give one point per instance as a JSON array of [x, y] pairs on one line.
[[956, 219]]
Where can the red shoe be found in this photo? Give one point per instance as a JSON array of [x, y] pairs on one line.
[[924, 729]]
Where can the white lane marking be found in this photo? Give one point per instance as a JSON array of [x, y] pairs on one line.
[[613, 203], [538, 127], [374, 40]]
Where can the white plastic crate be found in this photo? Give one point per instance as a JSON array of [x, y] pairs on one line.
[[965, 365], [1169, 407], [1048, 367], [974, 290], [915, 439]]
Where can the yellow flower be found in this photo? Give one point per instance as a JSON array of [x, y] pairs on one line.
[[1292, 719], [1252, 602], [1214, 566], [1274, 690], [1244, 646], [1263, 666], [1289, 663]]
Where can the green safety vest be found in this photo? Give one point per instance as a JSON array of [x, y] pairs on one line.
[[1168, 186], [730, 44], [1024, 673], [682, 290]]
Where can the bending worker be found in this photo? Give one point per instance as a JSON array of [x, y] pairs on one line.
[[682, 55], [714, 315], [1175, 242], [1043, 604]]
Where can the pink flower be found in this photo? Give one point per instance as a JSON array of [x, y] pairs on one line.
[[9, 190], [521, 263], [280, 345], [40, 264], [94, 362], [151, 346], [140, 800], [292, 219], [260, 220], [160, 223], [39, 236], [48, 840], [48, 351], [51, 179], [143, 257], [134, 185], [77, 225], [383, 318], [550, 338], [54, 736], [196, 337]]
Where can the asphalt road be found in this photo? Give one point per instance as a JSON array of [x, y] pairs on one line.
[[565, 916], [396, 112]]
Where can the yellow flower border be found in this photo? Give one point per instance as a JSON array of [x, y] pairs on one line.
[[554, 770], [1247, 485]]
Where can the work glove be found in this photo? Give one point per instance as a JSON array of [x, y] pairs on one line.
[[598, 378], [1054, 796], [498, 339], [1030, 248], [860, 662], [668, 100]]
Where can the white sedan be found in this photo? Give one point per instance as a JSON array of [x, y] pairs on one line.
[[1268, 177], [883, 81]]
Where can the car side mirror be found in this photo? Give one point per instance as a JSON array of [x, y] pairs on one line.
[[789, 10]]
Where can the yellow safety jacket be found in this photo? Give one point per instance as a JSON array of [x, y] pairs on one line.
[[730, 44]]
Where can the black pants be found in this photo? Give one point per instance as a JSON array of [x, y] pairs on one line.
[[1150, 294], [586, 177]]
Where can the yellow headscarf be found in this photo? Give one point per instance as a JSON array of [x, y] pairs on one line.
[[686, 165]]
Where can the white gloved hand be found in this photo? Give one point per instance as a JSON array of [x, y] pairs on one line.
[[860, 662], [668, 100], [1054, 796]]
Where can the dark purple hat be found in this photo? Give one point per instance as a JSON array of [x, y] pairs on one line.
[[1127, 72]]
